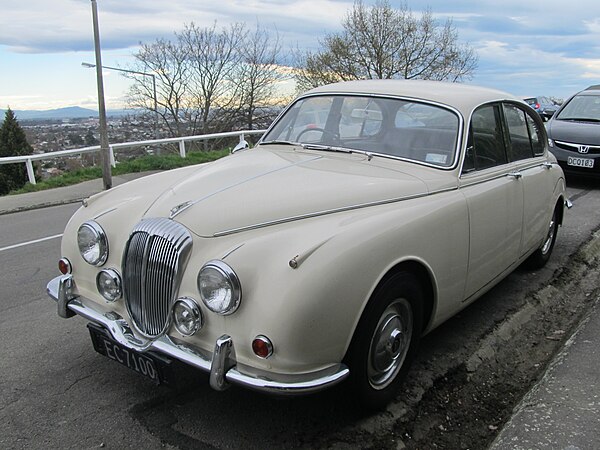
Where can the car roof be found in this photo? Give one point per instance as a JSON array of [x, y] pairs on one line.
[[592, 90], [461, 96]]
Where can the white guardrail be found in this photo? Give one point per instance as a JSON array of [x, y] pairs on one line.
[[28, 159]]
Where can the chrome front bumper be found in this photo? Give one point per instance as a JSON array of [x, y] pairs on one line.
[[221, 364]]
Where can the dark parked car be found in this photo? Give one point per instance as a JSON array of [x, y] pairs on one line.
[[543, 106], [574, 133]]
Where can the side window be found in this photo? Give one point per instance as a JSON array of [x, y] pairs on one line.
[[537, 140], [485, 147], [518, 133]]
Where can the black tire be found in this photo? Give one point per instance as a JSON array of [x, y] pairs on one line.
[[540, 257], [386, 340]]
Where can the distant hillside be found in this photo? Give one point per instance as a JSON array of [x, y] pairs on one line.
[[71, 112]]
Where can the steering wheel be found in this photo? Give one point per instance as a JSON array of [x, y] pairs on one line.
[[323, 131]]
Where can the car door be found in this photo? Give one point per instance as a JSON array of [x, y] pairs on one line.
[[494, 196], [526, 145]]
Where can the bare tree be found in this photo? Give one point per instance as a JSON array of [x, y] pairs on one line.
[[213, 57], [383, 42], [209, 79], [258, 75], [167, 61]]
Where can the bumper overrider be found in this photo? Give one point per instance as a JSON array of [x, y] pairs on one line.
[[221, 364]]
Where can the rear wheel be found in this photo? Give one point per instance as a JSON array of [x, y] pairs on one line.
[[386, 340], [540, 257]]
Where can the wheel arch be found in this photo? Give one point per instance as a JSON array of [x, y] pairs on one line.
[[426, 280], [560, 207]]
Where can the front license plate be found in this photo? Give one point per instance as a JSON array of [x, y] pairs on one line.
[[151, 366], [580, 162]]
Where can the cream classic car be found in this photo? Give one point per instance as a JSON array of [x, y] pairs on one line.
[[369, 213]]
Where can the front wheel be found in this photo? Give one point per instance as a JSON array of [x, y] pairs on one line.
[[386, 340]]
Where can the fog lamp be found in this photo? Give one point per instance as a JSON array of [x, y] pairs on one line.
[[187, 316], [108, 282], [262, 347]]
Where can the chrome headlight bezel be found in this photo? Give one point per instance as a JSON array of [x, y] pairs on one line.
[[96, 238], [115, 291], [195, 317], [217, 272]]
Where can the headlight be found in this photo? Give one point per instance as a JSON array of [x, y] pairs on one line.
[[108, 283], [219, 287], [187, 316], [93, 244]]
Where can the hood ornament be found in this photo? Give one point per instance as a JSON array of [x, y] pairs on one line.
[[180, 208]]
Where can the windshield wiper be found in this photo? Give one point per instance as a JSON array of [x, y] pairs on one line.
[[327, 148], [276, 142]]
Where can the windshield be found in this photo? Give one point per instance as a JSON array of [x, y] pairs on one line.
[[582, 107], [384, 126]]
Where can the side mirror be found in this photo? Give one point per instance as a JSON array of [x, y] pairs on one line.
[[241, 146]]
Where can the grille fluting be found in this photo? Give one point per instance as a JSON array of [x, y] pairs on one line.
[[153, 262]]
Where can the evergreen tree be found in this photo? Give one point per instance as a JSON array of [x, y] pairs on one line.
[[13, 142]]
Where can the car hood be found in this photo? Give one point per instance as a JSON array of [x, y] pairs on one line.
[[575, 132], [260, 187]]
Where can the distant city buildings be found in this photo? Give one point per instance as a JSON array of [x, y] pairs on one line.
[[46, 136]]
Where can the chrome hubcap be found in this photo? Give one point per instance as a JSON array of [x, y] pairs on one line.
[[390, 343], [549, 237]]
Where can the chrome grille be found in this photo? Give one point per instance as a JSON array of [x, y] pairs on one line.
[[570, 146], [153, 262]]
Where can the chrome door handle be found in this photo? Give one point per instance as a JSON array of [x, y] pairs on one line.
[[516, 174], [547, 165]]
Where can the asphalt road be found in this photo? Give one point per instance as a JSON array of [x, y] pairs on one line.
[[56, 392]]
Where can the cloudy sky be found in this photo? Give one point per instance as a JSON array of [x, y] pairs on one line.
[[532, 47]]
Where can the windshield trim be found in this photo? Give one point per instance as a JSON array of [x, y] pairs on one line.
[[455, 111]]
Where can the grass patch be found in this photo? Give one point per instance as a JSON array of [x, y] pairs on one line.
[[141, 164]]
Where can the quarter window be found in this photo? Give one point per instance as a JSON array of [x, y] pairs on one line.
[[485, 147], [518, 132], [537, 140]]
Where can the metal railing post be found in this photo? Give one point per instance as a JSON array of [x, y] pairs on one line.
[[30, 172], [182, 148], [111, 152]]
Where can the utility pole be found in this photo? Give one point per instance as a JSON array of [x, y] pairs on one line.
[[104, 147]]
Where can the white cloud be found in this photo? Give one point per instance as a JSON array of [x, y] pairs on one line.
[[535, 47]]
